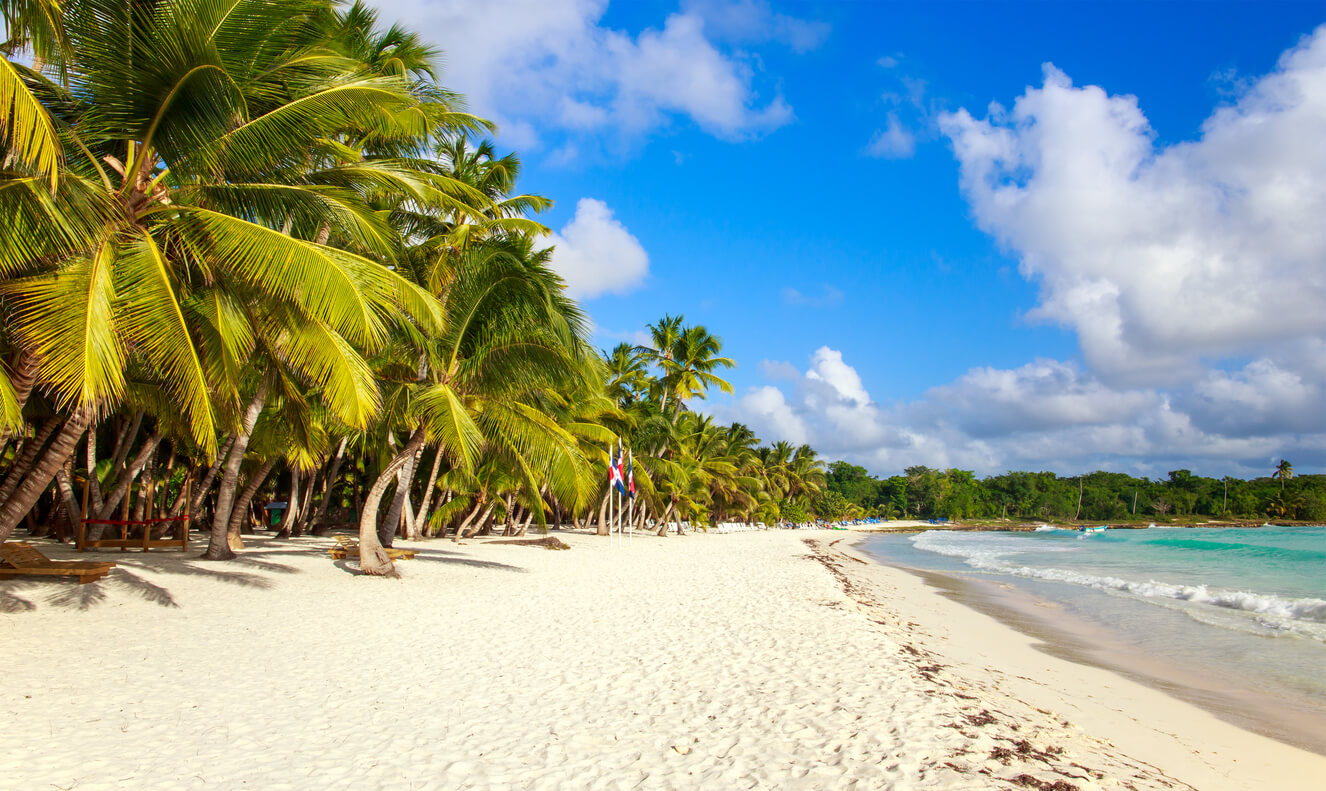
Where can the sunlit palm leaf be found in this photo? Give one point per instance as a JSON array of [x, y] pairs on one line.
[[153, 322], [449, 424], [68, 321], [25, 126]]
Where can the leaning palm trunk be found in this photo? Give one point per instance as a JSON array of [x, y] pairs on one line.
[[241, 510], [199, 495], [663, 523], [218, 547], [482, 521], [21, 380], [183, 496], [329, 485], [24, 376], [291, 506], [39, 477], [297, 529], [387, 531], [372, 560], [465, 523], [128, 476], [66, 489], [27, 456], [421, 518], [604, 527]]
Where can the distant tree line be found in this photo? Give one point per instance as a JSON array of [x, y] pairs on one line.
[[925, 493]]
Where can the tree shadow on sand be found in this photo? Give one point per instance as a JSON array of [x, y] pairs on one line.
[[351, 565]]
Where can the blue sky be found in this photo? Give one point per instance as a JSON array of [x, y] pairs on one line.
[[1121, 267]]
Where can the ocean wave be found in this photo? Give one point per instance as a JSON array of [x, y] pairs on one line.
[[1275, 612], [1234, 548]]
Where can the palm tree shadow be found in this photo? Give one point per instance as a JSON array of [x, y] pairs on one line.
[[247, 559], [189, 566], [241, 578], [76, 596], [11, 603], [123, 578], [442, 556]]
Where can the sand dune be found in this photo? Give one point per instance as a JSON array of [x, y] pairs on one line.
[[704, 661]]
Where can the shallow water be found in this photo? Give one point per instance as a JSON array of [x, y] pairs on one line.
[[1243, 609]]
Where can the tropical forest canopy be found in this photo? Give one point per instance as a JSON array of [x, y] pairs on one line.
[[1098, 496]]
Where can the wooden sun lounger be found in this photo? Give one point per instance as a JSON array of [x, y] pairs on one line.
[[348, 547], [21, 559]]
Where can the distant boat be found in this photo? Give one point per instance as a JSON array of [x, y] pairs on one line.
[[1099, 529]]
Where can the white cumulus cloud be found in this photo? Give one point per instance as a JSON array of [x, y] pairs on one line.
[[595, 253], [1161, 257], [550, 64]]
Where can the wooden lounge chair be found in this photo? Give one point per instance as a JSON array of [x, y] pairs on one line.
[[348, 547], [21, 559]]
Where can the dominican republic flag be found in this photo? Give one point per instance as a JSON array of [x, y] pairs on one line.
[[619, 469], [630, 473], [614, 470]]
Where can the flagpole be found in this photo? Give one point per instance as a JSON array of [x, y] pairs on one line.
[[610, 494], [630, 534]]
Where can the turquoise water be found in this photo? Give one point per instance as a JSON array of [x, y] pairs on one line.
[[1246, 606]]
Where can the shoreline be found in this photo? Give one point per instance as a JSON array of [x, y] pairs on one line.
[[1064, 636], [1190, 743]]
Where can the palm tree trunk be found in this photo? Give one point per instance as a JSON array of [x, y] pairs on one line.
[[66, 489], [306, 503], [372, 560], [390, 525], [604, 528], [128, 476], [291, 506], [26, 457], [39, 477], [482, 520], [330, 484], [663, 523], [93, 485], [178, 506], [205, 486], [218, 547], [23, 376], [124, 441], [241, 510], [426, 501], [529, 517], [460, 528]]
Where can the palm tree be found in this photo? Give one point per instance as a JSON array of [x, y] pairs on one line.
[[509, 335], [184, 225], [1284, 471], [627, 374]]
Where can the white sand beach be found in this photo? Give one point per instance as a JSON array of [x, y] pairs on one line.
[[750, 660]]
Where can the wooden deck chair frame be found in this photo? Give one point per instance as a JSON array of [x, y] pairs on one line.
[[21, 559]]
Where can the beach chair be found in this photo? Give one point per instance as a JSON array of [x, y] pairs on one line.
[[348, 547], [21, 559]]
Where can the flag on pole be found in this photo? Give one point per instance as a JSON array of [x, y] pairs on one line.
[[618, 472], [630, 473], [614, 472]]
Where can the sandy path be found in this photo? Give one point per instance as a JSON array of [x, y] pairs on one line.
[[697, 662]]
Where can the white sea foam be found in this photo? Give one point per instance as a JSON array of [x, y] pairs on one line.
[[994, 553]]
